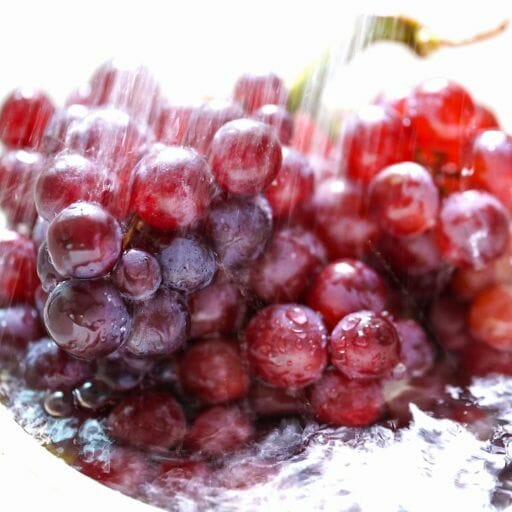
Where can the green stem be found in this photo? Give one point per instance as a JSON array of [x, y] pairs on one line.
[[308, 86]]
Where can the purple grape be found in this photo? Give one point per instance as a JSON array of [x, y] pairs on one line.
[[160, 325], [137, 276], [239, 230], [18, 326], [117, 375], [84, 241], [87, 319], [187, 264], [46, 271], [49, 367]]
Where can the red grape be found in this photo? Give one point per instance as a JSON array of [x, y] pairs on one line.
[[245, 156], [490, 317], [18, 174], [68, 179], [285, 270], [84, 241], [344, 287], [212, 371], [442, 114], [373, 139], [341, 401], [472, 229], [23, 118], [204, 121], [87, 319], [172, 187], [219, 430], [365, 345], [56, 132], [149, 420], [404, 199], [292, 186], [254, 91], [125, 86], [448, 323], [46, 366], [287, 345], [417, 352], [137, 275], [340, 219], [160, 325], [279, 118], [217, 309], [491, 164], [18, 278]]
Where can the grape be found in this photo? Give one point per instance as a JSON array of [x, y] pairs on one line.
[[172, 188], [46, 271], [128, 87], [404, 199], [254, 91], [279, 118], [18, 174], [160, 325], [18, 278], [84, 241], [217, 309], [48, 367], [245, 156], [55, 134], [204, 121], [292, 186], [19, 324], [365, 345], [137, 275], [187, 264], [372, 139], [87, 319], [23, 118], [472, 229], [68, 179], [239, 230]]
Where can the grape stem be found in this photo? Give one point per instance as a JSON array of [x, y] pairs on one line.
[[134, 225], [308, 86]]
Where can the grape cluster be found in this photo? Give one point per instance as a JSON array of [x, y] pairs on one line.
[[183, 271]]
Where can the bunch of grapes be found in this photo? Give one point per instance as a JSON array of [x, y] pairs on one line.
[[182, 272]]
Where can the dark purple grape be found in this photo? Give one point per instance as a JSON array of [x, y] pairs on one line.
[[88, 319], [46, 271], [136, 363], [160, 325], [137, 276], [46, 366], [239, 230], [187, 264], [84, 241], [117, 375], [18, 326], [40, 298]]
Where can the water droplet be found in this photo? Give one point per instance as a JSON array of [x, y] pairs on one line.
[[297, 316]]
